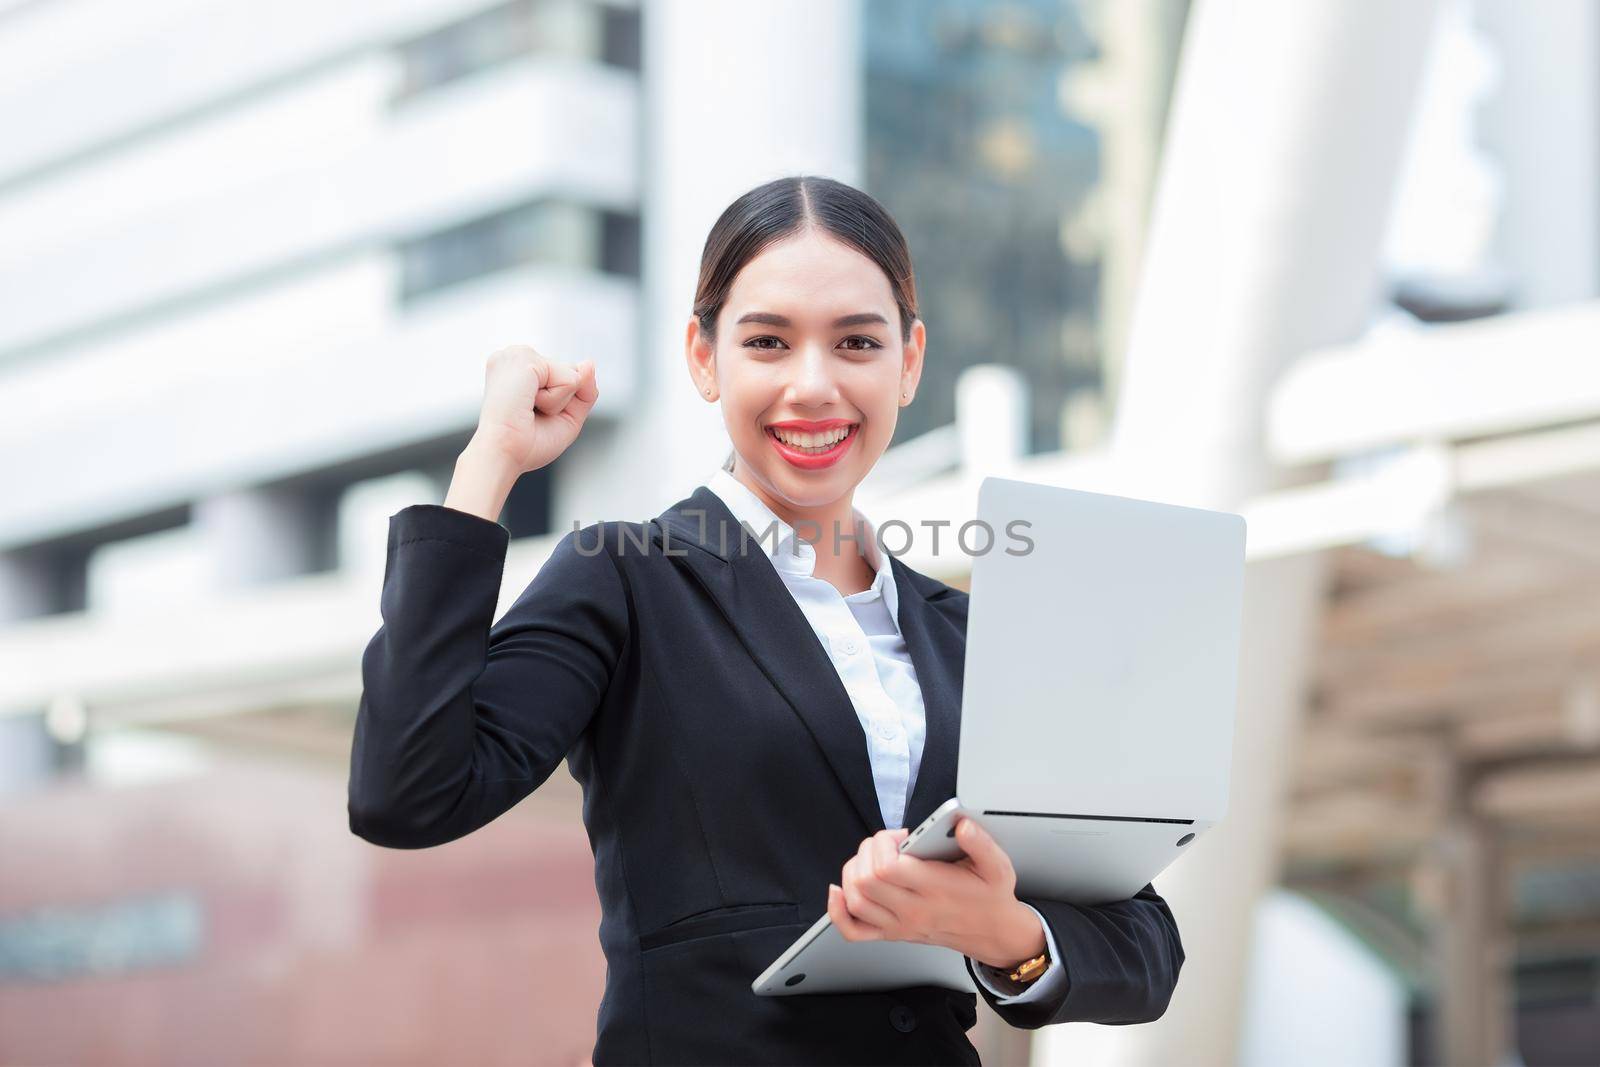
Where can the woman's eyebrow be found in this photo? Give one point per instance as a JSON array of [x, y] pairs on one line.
[[769, 318]]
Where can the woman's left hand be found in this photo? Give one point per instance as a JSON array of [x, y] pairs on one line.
[[969, 904]]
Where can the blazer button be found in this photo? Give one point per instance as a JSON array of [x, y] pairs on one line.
[[903, 1017]]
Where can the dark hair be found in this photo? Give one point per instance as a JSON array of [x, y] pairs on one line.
[[783, 207]]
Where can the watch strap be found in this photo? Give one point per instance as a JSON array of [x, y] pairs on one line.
[[1028, 970]]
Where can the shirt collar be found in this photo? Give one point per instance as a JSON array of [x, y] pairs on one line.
[[792, 554]]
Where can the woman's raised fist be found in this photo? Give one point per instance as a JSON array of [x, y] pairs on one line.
[[533, 406]]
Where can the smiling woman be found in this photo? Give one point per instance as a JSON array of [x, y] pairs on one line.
[[805, 328], [752, 729]]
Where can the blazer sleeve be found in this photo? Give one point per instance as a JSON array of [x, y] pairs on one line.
[[461, 717], [1121, 962]]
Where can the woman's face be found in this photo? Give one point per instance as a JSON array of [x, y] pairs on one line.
[[808, 348]]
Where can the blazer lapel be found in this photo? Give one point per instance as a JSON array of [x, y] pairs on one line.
[[938, 652], [733, 568]]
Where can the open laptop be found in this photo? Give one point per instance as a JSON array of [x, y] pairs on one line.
[[1097, 712]]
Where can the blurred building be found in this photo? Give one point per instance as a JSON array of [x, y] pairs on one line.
[[1016, 145], [253, 263]]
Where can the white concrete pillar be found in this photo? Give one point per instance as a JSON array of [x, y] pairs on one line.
[[252, 536], [24, 586], [1287, 128], [363, 513], [1281, 156], [27, 753], [991, 418], [1542, 123], [724, 111], [1124, 94]]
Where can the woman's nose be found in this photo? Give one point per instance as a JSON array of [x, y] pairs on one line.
[[813, 381]]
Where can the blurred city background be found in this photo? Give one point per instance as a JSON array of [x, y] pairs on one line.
[[1333, 264]]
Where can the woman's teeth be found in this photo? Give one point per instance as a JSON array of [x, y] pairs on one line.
[[812, 442]]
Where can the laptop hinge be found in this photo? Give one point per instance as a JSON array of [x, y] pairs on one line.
[[1104, 818]]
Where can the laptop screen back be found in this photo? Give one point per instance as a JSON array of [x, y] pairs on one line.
[[1102, 662]]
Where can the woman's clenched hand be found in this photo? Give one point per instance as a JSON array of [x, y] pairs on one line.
[[969, 904], [533, 406]]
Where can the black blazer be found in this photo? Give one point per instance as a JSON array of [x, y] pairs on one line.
[[725, 778]]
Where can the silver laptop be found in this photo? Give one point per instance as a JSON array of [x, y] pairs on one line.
[[1097, 712]]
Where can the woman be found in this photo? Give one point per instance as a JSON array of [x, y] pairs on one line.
[[756, 698]]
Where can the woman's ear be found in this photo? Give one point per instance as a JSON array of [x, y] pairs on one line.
[[701, 357], [911, 362]]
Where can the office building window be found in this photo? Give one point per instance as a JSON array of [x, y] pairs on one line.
[[475, 43], [619, 243], [550, 232], [620, 37], [572, 29]]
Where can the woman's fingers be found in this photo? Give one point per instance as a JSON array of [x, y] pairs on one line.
[[984, 854], [533, 407], [889, 884], [865, 893], [850, 927], [870, 888], [855, 878], [585, 394], [560, 383]]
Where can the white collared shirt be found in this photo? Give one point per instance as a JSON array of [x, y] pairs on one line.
[[861, 635]]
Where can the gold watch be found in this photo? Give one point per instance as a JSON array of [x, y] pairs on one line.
[[1028, 970]]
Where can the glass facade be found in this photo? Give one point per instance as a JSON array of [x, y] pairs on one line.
[[968, 145]]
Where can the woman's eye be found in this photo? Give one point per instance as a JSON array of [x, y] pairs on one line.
[[857, 343]]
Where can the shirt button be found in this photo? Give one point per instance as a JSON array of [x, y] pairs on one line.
[[851, 646], [903, 1018], [885, 730]]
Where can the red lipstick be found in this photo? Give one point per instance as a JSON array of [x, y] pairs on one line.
[[812, 459]]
